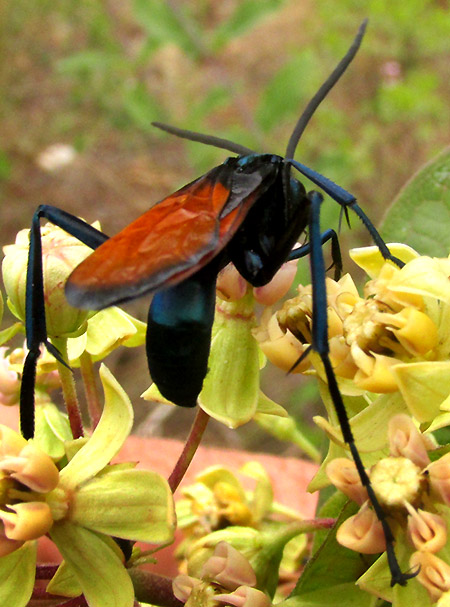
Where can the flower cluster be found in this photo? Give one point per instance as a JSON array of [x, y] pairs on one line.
[[381, 342], [28, 475], [415, 494], [226, 578], [80, 506]]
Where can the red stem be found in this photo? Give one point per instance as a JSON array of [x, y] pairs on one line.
[[192, 443]]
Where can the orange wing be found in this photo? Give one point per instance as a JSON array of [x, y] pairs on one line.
[[165, 245]]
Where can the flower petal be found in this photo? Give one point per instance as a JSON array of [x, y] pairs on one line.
[[108, 437], [131, 504], [424, 386], [17, 576], [95, 564], [371, 260]]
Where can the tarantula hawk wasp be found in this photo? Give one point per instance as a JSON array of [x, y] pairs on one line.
[[248, 210]]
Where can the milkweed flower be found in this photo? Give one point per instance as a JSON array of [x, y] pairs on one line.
[[81, 507], [61, 253], [27, 476], [226, 578], [411, 490], [394, 336]]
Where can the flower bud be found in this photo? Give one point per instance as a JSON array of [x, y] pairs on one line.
[[228, 567], [183, 585], [426, 531], [396, 480], [230, 285], [27, 521], [343, 474], [244, 596], [61, 253], [362, 532], [439, 478], [434, 573], [405, 440], [278, 286]]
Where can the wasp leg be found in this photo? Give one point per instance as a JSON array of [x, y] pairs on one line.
[[321, 346], [35, 325]]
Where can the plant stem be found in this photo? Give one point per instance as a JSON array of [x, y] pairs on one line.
[[192, 443], [46, 572], [69, 390], [152, 588], [90, 388]]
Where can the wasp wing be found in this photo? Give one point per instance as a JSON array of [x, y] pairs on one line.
[[171, 241]]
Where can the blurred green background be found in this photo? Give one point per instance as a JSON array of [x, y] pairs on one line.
[[93, 75]]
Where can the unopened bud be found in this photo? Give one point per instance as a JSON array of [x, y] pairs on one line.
[[439, 478], [278, 286], [228, 567], [405, 440], [343, 474], [244, 596], [362, 532], [183, 585], [61, 253], [427, 531], [434, 573], [230, 284]]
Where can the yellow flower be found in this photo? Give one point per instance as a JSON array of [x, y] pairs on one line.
[[393, 338], [27, 476]]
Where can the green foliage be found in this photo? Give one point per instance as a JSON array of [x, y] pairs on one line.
[[420, 215]]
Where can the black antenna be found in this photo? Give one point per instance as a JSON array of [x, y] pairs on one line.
[[323, 91], [217, 142], [241, 150]]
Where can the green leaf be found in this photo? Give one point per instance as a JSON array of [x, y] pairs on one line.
[[331, 564], [108, 437], [96, 565], [17, 571], [342, 595], [64, 582], [420, 215], [126, 503], [377, 579]]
